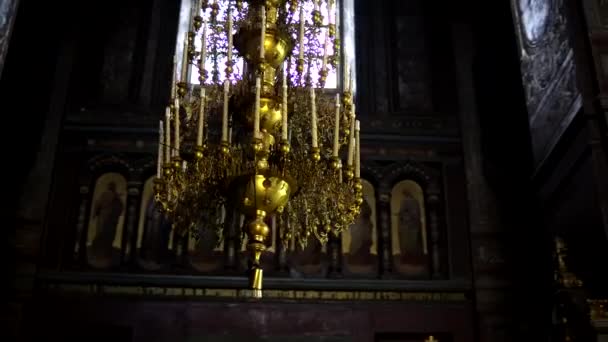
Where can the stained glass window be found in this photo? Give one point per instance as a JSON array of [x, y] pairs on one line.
[[216, 38]]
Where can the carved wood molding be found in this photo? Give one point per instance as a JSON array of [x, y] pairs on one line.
[[86, 279], [426, 176], [103, 163], [245, 294]]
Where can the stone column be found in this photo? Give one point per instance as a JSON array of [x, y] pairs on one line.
[[334, 251], [129, 235], [384, 231], [8, 12], [80, 236], [434, 207], [33, 202], [231, 239], [489, 290]]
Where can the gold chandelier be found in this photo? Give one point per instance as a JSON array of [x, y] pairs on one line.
[[264, 142]]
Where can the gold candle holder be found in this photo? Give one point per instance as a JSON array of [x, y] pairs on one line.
[[315, 154], [349, 173]]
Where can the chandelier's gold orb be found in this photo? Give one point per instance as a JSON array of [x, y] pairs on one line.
[[346, 132], [332, 30], [273, 3], [336, 163], [225, 150], [358, 186], [258, 230], [276, 45], [260, 192], [168, 170], [317, 18], [270, 114], [182, 89], [349, 173], [358, 200], [284, 147], [159, 185], [316, 154], [258, 145], [267, 140], [262, 164], [198, 152]]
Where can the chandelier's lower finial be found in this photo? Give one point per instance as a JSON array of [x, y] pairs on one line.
[[257, 231]]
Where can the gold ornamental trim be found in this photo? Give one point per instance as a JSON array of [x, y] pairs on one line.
[[598, 309], [185, 292]]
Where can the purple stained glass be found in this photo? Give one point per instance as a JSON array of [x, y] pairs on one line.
[[217, 42]]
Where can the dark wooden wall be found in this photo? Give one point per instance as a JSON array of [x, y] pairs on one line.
[[177, 321], [439, 88]]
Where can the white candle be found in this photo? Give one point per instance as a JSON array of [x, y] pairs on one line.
[[203, 58], [325, 48], [184, 75], [225, 112], [316, 5], [337, 22], [263, 35], [167, 135], [256, 116], [173, 78], [176, 122], [301, 38], [201, 118], [313, 119], [337, 128], [345, 78], [284, 111], [229, 33], [350, 80], [351, 140], [192, 15], [357, 150], [160, 150]]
